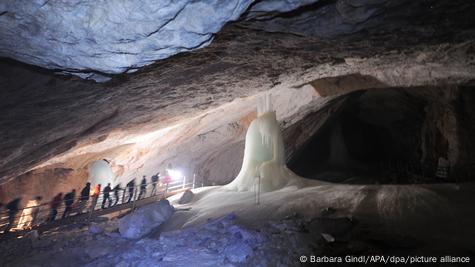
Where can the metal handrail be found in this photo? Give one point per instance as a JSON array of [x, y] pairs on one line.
[[161, 190]]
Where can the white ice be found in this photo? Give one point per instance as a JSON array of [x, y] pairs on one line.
[[264, 167]]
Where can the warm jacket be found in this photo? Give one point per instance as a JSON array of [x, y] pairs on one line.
[[85, 192], [97, 191]]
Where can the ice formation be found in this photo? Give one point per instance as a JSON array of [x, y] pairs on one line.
[[100, 172], [263, 166]]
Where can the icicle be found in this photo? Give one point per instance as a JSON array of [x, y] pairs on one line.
[[264, 104]]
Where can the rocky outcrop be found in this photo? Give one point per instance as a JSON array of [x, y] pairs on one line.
[[88, 37], [143, 220], [347, 17], [93, 38], [108, 36], [187, 197]]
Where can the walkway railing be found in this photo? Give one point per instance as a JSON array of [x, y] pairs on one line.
[[33, 216]]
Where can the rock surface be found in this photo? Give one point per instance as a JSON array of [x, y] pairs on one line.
[[346, 17], [187, 197], [88, 37], [143, 220], [219, 242], [91, 38]]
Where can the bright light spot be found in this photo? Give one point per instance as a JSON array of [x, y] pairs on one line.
[[175, 174]]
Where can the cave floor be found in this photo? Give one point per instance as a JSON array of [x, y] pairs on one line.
[[425, 219], [434, 218]]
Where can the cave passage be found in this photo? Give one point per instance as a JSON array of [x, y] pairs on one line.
[[388, 135]]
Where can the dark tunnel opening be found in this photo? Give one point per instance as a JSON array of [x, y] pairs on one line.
[[390, 135]]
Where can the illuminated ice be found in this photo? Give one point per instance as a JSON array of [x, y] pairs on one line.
[[264, 155]]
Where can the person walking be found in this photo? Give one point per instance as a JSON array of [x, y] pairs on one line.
[[116, 190], [143, 187], [155, 179], [54, 205], [106, 196], [131, 187], [68, 203], [13, 209], [95, 195], [84, 197]]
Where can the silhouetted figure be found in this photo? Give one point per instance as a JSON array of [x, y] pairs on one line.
[[12, 208], [116, 193], [68, 203], [54, 205], [106, 196], [95, 195], [155, 179], [131, 187], [143, 187], [84, 198]]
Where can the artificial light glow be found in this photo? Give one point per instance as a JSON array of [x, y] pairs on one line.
[[175, 174]]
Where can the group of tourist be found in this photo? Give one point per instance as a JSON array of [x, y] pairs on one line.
[[30, 215]]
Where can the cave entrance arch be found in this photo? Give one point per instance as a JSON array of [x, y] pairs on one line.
[[100, 172]]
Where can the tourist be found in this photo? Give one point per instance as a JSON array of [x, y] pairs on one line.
[[155, 179], [68, 203], [95, 195], [143, 187], [84, 198], [12, 208], [116, 190], [130, 187], [54, 205], [106, 196]]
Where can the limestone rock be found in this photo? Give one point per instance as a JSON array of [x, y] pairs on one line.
[[85, 37], [187, 197], [109, 36], [145, 219], [95, 229]]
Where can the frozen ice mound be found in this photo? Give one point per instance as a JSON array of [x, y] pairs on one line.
[[145, 219], [264, 168]]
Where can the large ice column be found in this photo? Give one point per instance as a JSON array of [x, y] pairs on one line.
[[264, 155]]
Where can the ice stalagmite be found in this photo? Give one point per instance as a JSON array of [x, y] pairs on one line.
[[264, 155]]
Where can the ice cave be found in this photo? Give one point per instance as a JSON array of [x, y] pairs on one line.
[[237, 133]]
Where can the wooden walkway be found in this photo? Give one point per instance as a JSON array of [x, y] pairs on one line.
[[113, 211]]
